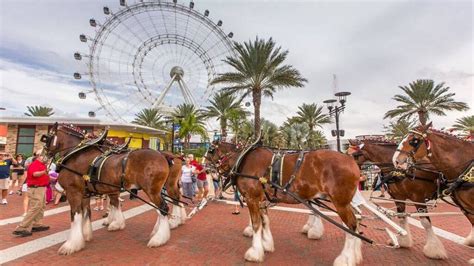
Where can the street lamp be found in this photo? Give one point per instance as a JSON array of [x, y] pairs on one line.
[[172, 120], [336, 111]]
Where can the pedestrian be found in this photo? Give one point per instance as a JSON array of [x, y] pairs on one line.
[[187, 170], [193, 177], [18, 171], [202, 183], [6, 161], [99, 203], [37, 179], [237, 200], [217, 185]]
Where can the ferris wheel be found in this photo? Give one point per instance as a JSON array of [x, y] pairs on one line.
[[152, 54]]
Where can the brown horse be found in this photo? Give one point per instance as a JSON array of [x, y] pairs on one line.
[[418, 186], [145, 169], [450, 155], [322, 173]]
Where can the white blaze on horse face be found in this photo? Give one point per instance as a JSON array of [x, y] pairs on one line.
[[55, 140], [397, 153]]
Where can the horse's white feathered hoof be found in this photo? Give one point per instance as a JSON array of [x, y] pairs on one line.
[[315, 233], [268, 246], [174, 223], [248, 231], [68, 248], [115, 226], [405, 241], [344, 260], [305, 229], [254, 255], [435, 250]]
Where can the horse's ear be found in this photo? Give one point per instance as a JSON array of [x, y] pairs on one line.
[[55, 126], [430, 124]]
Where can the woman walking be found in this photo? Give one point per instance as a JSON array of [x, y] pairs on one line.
[[187, 170]]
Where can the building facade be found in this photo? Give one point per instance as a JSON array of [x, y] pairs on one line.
[[23, 134]]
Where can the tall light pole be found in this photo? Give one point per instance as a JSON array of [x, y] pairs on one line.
[[172, 120], [336, 111]]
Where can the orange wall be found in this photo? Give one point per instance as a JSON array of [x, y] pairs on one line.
[[3, 130]]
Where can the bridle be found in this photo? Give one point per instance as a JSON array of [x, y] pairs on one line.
[[417, 139], [220, 165]]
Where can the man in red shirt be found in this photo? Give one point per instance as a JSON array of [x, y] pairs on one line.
[[202, 184], [37, 179]]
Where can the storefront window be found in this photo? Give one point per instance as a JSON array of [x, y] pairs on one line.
[[25, 140]]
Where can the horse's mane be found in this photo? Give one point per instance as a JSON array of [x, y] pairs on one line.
[[375, 141], [448, 135], [75, 129]]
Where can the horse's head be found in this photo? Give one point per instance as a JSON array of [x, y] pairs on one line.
[[414, 146], [61, 139], [220, 154], [356, 150]]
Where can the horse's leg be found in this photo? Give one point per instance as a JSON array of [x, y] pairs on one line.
[[116, 220], [248, 231], [433, 248], [308, 224], [255, 252], [178, 210], [404, 241], [86, 221], [316, 229], [469, 241], [351, 253], [75, 240], [267, 237], [161, 231]]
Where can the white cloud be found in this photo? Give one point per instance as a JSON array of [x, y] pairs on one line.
[[372, 46]]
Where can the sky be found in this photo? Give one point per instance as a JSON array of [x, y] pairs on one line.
[[373, 47]]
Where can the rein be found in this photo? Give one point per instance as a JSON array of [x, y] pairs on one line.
[[264, 181]]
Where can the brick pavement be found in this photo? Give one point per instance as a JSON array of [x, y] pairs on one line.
[[214, 237]]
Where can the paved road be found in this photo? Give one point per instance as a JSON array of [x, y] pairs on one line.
[[214, 237]]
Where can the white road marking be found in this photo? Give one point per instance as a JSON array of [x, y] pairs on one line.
[[438, 231], [46, 213], [30, 247]]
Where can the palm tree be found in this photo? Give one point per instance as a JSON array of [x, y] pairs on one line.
[[465, 124], [312, 116], [397, 129], [191, 121], [258, 71], [236, 120], [317, 138], [270, 132], [423, 98], [39, 111], [149, 117], [223, 107]]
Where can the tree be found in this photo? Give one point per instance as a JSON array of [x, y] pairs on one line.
[[191, 121], [398, 129], [224, 106], [39, 111], [239, 124], [423, 98], [258, 71], [270, 132], [312, 116], [149, 117], [465, 124]]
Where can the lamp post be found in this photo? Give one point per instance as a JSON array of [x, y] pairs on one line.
[[336, 111], [172, 120]]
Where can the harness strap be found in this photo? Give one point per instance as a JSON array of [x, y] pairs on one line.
[[298, 164], [316, 211]]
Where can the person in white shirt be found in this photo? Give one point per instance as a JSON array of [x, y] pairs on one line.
[[187, 171]]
